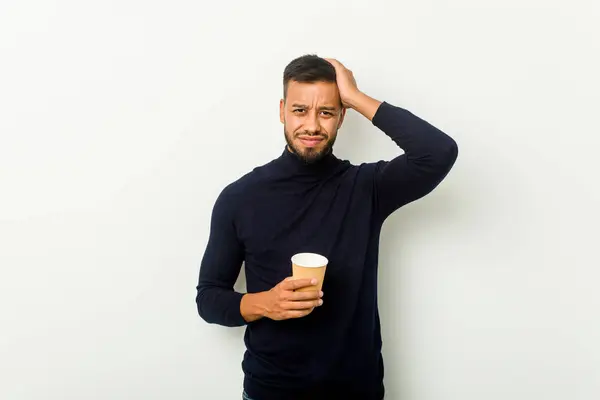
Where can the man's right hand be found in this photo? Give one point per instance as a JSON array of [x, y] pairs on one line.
[[281, 302]]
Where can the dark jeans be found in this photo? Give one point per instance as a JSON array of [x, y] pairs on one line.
[[245, 396]]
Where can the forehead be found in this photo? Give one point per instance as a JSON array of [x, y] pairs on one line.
[[314, 92]]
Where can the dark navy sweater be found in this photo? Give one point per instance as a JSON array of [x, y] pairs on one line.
[[333, 208]]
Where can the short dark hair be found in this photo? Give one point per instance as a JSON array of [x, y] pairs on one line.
[[308, 69]]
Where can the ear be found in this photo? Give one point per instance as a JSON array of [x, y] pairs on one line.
[[342, 115], [281, 111]]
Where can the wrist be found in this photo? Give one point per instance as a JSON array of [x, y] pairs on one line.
[[364, 104], [252, 306], [354, 99]]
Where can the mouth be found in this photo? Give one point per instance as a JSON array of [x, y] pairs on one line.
[[311, 141]]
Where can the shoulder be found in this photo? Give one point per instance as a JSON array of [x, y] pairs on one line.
[[242, 188], [248, 182]]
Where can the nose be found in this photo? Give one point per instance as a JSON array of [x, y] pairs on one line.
[[312, 124]]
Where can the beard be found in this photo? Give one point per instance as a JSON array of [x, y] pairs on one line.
[[310, 155]]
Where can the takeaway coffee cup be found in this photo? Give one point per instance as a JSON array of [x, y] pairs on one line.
[[309, 265]]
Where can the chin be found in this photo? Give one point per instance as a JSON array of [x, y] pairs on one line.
[[310, 150], [311, 154]]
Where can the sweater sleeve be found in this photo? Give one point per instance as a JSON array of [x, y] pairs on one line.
[[429, 154], [216, 299]]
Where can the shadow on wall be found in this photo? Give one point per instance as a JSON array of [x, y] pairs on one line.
[[411, 224]]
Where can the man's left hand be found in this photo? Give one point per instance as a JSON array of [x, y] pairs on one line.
[[345, 82]]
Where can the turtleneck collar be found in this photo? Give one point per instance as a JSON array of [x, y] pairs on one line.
[[292, 163]]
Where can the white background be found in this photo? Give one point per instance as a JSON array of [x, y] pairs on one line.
[[121, 121]]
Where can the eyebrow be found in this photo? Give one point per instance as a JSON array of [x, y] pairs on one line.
[[327, 108]]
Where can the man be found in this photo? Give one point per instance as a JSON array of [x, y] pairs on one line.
[[309, 345]]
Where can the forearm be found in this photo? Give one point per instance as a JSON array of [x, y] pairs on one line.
[[216, 299], [410, 132], [217, 305], [229, 308], [429, 154], [363, 104], [419, 139]]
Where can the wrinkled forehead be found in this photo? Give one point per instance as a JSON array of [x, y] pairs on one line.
[[313, 94]]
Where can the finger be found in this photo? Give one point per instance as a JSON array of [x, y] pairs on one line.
[[287, 284], [303, 296], [297, 314], [293, 284], [336, 64], [302, 305]]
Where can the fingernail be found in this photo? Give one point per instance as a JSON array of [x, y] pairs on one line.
[[321, 293], [320, 302], [313, 281]]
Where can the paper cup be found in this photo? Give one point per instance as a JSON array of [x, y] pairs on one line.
[[309, 265]]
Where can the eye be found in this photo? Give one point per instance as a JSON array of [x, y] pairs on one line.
[[327, 113], [298, 110]]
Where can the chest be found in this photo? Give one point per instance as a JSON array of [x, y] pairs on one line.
[[332, 218]]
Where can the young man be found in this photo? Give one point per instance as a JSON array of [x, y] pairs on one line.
[[309, 345]]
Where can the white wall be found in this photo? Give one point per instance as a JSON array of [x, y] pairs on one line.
[[120, 122]]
